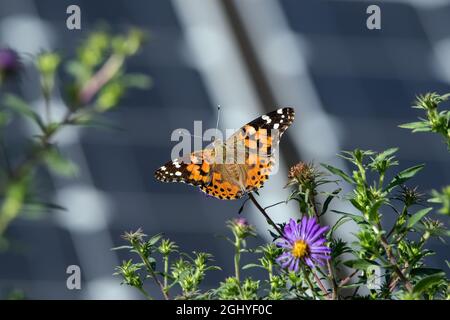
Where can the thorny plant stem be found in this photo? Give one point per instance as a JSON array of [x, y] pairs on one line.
[[261, 209], [348, 278], [331, 276], [319, 282], [106, 73], [393, 262]]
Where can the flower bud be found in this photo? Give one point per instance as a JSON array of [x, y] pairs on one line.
[[9, 63]]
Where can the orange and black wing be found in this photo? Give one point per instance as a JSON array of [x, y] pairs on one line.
[[261, 138], [196, 173]]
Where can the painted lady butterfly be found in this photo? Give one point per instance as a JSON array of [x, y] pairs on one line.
[[228, 170]]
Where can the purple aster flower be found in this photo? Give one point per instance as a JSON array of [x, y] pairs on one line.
[[303, 242], [9, 62]]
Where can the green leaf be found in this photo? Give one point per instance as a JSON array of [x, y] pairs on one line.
[[373, 212], [419, 126], [417, 217], [121, 248], [136, 80], [47, 205], [361, 264], [60, 165], [153, 240], [78, 70], [338, 172], [252, 265], [383, 155], [355, 203], [426, 283], [424, 271], [339, 223], [404, 176], [354, 217], [20, 106], [329, 199]]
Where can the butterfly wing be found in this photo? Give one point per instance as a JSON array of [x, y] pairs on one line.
[[251, 150], [260, 138], [264, 133], [248, 171], [192, 170]]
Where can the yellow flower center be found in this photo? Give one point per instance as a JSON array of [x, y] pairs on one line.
[[300, 249]]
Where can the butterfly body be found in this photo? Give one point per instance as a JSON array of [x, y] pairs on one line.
[[229, 169]]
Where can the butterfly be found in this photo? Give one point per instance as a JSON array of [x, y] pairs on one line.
[[239, 165]]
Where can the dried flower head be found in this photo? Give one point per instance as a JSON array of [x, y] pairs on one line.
[[134, 236], [304, 174], [410, 196]]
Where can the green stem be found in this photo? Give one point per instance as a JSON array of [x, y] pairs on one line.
[[166, 271], [237, 258], [152, 273], [47, 109], [381, 181], [309, 283], [270, 270]]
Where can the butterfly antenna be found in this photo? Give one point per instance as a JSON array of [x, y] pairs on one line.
[[218, 117]]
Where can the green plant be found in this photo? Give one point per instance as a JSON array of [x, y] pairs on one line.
[[308, 261], [97, 81]]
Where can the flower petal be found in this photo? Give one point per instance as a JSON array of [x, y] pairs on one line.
[[309, 262], [292, 264], [318, 243], [318, 234], [284, 243], [303, 225], [309, 227], [320, 249]]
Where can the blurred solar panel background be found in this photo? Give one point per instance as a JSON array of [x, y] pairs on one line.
[[360, 85]]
